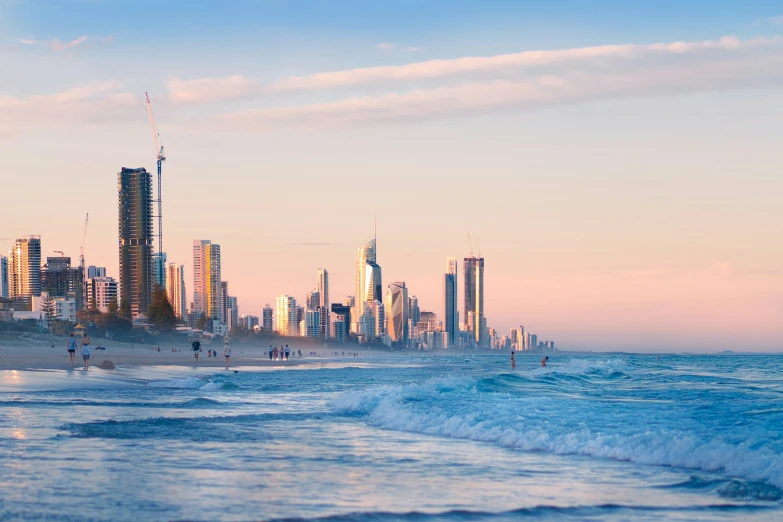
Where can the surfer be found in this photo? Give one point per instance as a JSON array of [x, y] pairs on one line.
[[513, 362], [543, 361]]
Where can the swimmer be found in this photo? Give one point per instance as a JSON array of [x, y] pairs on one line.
[[543, 361], [513, 362]]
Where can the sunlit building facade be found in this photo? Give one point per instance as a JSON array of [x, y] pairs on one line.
[[474, 298], [24, 271], [286, 316], [175, 288], [397, 312], [135, 231], [368, 280], [450, 311], [207, 290], [323, 288]]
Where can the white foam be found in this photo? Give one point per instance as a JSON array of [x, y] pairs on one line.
[[386, 407]]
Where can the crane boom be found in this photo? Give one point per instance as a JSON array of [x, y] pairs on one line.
[[84, 243], [470, 245], [160, 157]]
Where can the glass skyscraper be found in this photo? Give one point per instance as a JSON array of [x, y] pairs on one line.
[[450, 313], [474, 297], [397, 312], [368, 281]]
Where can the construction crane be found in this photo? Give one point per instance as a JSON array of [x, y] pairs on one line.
[[160, 158], [470, 245], [84, 243], [62, 254]]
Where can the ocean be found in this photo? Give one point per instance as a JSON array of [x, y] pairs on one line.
[[419, 438]]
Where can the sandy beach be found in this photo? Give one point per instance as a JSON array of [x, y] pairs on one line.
[[20, 351]]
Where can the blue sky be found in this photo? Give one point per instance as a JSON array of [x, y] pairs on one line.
[[625, 182]]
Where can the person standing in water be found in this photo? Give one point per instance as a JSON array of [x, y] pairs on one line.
[[196, 347], [86, 351], [543, 361], [513, 362], [72, 348], [227, 353]]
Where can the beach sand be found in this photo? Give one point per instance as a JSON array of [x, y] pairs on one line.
[[19, 351]]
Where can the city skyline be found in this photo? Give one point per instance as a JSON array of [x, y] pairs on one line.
[[604, 212]]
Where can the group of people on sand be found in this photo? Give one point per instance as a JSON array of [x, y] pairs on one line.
[[514, 362], [281, 354], [85, 350], [226, 351]]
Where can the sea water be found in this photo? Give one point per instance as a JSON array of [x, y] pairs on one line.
[[463, 437]]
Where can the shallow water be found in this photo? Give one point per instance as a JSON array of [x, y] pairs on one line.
[[399, 438]]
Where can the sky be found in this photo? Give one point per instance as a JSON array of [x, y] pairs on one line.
[[617, 163]]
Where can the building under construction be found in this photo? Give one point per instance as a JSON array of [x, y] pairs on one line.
[[60, 279], [136, 238]]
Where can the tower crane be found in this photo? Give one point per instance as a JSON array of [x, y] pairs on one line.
[[470, 245], [160, 159], [84, 243]]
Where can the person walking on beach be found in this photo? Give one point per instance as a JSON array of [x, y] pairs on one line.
[[287, 352], [275, 353], [196, 347], [86, 351], [543, 361], [72, 348], [227, 353], [270, 352], [513, 362]]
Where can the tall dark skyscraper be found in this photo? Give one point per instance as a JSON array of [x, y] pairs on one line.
[[135, 228], [450, 314], [474, 297]]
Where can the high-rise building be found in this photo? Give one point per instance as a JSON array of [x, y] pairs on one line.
[[311, 324], [96, 271], [135, 231], [286, 316], [397, 312], [60, 280], [338, 327], [3, 276], [450, 311], [224, 295], [159, 271], [324, 328], [207, 291], [100, 291], [266, 318], [323, 287], [368, 279], [474, 297], [232, 312], [379, 319], [345, 311], [175, 289], [24, 272], [313, 300]]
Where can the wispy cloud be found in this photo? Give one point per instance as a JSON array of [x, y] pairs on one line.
[[93, 103], [59, 46], [386, 46]]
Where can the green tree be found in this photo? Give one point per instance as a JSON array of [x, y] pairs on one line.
[[48, 307], [125, 311], [113, 308], [161, 313]]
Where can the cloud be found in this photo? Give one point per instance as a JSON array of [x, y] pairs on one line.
[[93, 103], [210, 90], [525, 94], [507, 63], [386, 46], [58, 46]]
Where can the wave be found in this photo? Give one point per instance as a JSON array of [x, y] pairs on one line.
[[199, 402], [190, 383], [599, 512], [455, 407]]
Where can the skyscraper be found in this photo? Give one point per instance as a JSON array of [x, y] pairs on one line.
[[323, 287], [368, 280], [3, 276], [286, 316], [96, 271], [101, 291], [60, 279], [24, 269], [313, 300], [159, 269], [397, 312], [266, 319], [474, 297], [224, 302], [135, 241], [450, 313], [206, 279], [175, 288]]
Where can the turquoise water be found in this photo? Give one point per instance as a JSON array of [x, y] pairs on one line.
[[401, 438]]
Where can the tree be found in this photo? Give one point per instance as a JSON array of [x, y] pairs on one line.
[[201, 324], [125, 311], [113, 308], [161, 313], [48, 307]]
